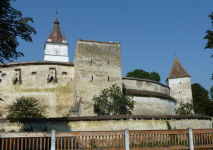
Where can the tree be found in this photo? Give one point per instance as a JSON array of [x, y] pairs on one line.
[[185, 109], [12, 25], [112, 101], [201, 102], [211, 93], [209, 37], [138, 73], [25, 108]]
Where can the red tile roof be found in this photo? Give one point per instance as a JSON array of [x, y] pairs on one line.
[[177, 70], [56, 33]]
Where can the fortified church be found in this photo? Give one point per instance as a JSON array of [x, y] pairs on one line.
[[66, 88]]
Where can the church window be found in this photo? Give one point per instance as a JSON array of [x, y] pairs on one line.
[[108, 78], [33, 73], [92, 77], [3, 75]]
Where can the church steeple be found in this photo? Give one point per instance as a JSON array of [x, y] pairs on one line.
[[56, 33], [56, 47]]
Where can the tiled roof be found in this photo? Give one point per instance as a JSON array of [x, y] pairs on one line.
[[49, 37], [145, 93], [56, 33], [64, 37], [134, 117], [177, 70]]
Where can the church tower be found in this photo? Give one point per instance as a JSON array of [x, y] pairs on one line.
[[179, 82], [56, 47]]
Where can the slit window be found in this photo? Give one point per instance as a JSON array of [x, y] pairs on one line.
[[92, 77], [180, 82], [3, 75], [108, 78], [179, 92], [91, 60], [33, 73], [108, 61]]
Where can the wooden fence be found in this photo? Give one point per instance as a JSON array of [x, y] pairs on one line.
[[143, 139]]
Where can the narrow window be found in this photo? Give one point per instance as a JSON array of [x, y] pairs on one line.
[[108, 78], [3, 75], [92, 77], [33, 73], [180, 82], [179, 92], [108, 61], [91, 60], [0, 72]]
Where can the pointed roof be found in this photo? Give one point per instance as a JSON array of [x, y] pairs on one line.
[[64, 37], [49, 37], [177, 70], [56, 33]]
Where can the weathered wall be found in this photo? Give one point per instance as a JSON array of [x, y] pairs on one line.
[[144, 84], [180, 89], [97, 66], [153, 106], [105, 125], [56, 97]]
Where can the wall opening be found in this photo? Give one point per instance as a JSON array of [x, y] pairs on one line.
[[92, 77], [64, 75], [108, 62], [179, 92], [180, 82], [33, 73], [108, 78], [3, 75]]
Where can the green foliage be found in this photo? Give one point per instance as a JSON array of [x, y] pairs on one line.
[[112, 101], [168, 125], [185, 109], [209, 35], [201, 102], [25, 108], [211, 93], [138, 73], [12, 25]]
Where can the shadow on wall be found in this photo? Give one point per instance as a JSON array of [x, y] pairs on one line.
[[42, 125]]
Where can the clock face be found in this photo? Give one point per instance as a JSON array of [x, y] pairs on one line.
[[56, 51]]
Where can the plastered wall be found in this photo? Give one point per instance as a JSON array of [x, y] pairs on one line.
[[104, 125], [180, 89], [97, 66], [56, 98]]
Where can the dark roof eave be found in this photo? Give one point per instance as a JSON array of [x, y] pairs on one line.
[[12, 64]]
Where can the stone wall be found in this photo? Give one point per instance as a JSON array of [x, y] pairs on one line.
[[152, 98], [145, 84], [108, 123], [180, 89], [97, 66], [31, 79]]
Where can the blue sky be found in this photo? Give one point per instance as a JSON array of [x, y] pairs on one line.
[[150, 31]]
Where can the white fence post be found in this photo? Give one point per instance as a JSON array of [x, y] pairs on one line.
[[126, 139], [53, 137], [191, 139]]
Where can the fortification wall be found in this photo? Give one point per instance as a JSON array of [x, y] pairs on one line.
[[97, 66], [145, 84], [108, 123], [152, 98], [32, 80]]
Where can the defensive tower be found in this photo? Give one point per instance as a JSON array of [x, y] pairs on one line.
[[179, 82]]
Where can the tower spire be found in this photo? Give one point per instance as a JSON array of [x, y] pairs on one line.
[[56, 33]]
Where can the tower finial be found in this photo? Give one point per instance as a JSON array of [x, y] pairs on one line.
[[56, 12]]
